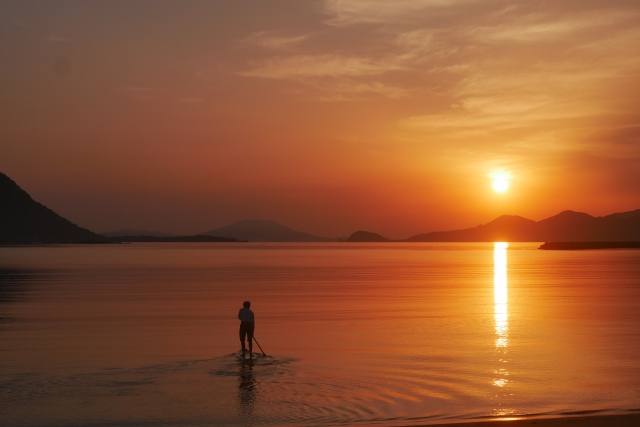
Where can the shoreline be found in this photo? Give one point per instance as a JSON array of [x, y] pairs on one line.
[[595, 420]]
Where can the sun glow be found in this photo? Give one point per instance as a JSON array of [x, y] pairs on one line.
[[500, 182]]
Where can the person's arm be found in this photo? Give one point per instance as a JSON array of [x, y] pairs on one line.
[[239, 313]]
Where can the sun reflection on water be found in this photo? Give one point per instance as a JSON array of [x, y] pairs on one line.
[[500, 311], [500, 295]]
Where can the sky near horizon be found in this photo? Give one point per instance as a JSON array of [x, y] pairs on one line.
[[328, 116]]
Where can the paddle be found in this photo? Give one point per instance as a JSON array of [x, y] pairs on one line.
[[263, 353]]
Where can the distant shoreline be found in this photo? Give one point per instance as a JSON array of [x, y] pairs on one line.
[[173, 239], [134, 239], [573, 246]]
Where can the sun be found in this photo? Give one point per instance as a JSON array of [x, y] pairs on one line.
[[500, 182], [500, 185]]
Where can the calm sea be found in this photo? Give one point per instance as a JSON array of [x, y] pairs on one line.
[[356, 334]]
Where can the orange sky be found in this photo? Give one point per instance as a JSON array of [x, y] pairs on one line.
[[327, 116]]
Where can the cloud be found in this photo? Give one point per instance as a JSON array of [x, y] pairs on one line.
[[483, 66], [350, 91], [504, 77], [332, 77], [542, 27], [465, 122], [545, 141], [324, 65], [486, 100], [350, 12], [268, 40]]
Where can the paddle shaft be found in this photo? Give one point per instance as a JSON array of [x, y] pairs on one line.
[[263, 353]]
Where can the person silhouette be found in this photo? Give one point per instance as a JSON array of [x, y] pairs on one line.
[[247, 325]]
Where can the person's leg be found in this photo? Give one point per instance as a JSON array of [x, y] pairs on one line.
[[250, 338], [243, 332]]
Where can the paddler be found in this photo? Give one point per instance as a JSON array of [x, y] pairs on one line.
[[247, 325]]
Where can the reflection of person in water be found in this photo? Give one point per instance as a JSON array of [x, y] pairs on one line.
[[246, 388], [247, 325]]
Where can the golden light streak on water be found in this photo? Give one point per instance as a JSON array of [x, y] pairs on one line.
[[500, 311]]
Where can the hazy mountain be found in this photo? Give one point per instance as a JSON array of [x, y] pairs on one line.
[[134, 232], [567, 226], [256, 230], [365, 236], [25, 221], [171, 239]]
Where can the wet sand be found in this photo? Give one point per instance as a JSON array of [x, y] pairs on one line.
[[624, 420]]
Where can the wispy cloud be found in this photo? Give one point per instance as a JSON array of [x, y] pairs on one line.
[[487, 101], [520, 86], [447, 55], [271, 41], [351, 91], [468, 121], [542, 27], [489, 64], [325, 65], [350, 12]]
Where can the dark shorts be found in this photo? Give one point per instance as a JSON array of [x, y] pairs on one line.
[[246, 329]]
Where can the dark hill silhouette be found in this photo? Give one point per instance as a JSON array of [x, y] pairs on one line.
[[365, 236], [256, 230], [504, 228], [25, 221], [567, 226], [170, 239]]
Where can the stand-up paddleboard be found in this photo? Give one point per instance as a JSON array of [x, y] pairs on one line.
[[242, 358]]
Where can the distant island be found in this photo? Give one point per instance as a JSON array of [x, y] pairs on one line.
[[257, 230], [248, 230], [567, 226]]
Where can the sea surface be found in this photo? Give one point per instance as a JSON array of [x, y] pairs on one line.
[[354, 334]]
